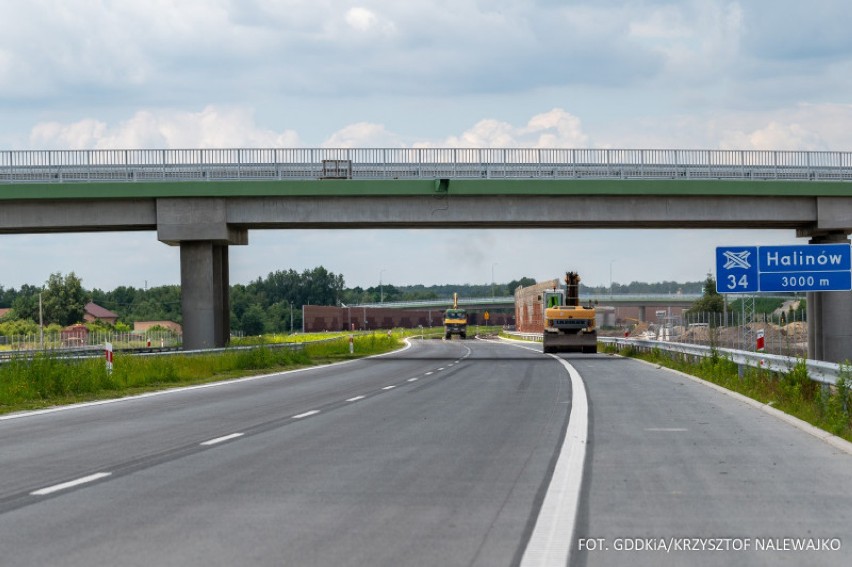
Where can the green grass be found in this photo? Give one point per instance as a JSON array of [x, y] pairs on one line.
[[47, 380], [793, 392]]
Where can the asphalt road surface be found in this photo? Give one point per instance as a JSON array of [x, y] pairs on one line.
[[442, 454]]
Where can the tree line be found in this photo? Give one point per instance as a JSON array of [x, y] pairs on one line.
[[270, 304]]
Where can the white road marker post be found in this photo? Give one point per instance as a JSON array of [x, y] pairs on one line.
[[108, 356]]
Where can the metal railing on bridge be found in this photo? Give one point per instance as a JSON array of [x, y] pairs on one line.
[[88, 166]]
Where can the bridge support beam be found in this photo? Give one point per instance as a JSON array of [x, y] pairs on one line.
[[201, 230], [829, 316]]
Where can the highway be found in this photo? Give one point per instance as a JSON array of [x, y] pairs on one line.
[[441, 454]]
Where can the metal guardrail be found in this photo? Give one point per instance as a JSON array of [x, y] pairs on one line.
[[537, 337], [97, 351], [91, 166], [819, 371]]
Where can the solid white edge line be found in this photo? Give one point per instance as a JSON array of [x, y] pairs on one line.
[[223, 439], [552, 539], [306, 414], [356, 398], [70, 484]]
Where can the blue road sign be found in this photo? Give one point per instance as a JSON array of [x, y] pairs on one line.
[[805, 267], [805, 281], [736, 269], [805, 258]]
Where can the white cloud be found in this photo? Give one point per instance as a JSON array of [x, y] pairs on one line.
[[364, 135], [212, 127], [553, 129]]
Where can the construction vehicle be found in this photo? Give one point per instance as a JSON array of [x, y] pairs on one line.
[[455, 320], [568, 326]]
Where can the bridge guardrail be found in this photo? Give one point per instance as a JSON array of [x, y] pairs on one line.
[[130, 166]]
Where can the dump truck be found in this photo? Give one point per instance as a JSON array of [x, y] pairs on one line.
[[568, 326], [455, 320]]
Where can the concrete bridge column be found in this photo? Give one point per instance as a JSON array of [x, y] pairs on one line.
[[830, 317], [204, 294], [200, 228]]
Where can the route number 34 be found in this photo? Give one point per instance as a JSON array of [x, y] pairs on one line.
[[734, 283]]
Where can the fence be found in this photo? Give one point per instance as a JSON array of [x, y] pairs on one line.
[[71, 340], [784, 333]]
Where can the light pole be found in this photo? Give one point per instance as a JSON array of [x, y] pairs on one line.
[[381, 287], [291, 317], [40, 322], [492, 279], [610, 277]]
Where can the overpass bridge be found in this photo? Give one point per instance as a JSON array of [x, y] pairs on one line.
[[636, 299], [207, 200]]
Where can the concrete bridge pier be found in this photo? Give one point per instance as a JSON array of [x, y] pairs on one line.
[[204, 294], [200, 228], [830, 316]]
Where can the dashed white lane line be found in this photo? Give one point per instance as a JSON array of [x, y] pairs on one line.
[[356, 398], [70, 484], [388, 387], [413, 379], [429, 373], [306, 414], [440, 369], [222, 439]]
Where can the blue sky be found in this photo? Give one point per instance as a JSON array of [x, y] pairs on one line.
[[754, 74]]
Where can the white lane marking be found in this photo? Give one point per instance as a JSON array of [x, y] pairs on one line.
[[553, 535], [306, 414], [666, 429], [429, 373], [222, 439], [70, 484], [388, 387], [356, 398], [440, 369], [413, 379]]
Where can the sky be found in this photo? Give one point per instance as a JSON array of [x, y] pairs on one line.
[[692, 74]]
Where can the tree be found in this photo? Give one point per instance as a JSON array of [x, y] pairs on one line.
[[523, 282], [712, 301], [252, 320], [64, 299]]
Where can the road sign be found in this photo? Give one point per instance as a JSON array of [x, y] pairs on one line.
[[790, 268], [487, 316], [736, 269]]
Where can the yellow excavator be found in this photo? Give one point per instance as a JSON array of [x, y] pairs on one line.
[[568, 326], [455, 320]]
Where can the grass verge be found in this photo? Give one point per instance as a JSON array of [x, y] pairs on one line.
[[829, 408], [48, 380]]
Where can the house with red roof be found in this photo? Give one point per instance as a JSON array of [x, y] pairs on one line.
[[93, 312]]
